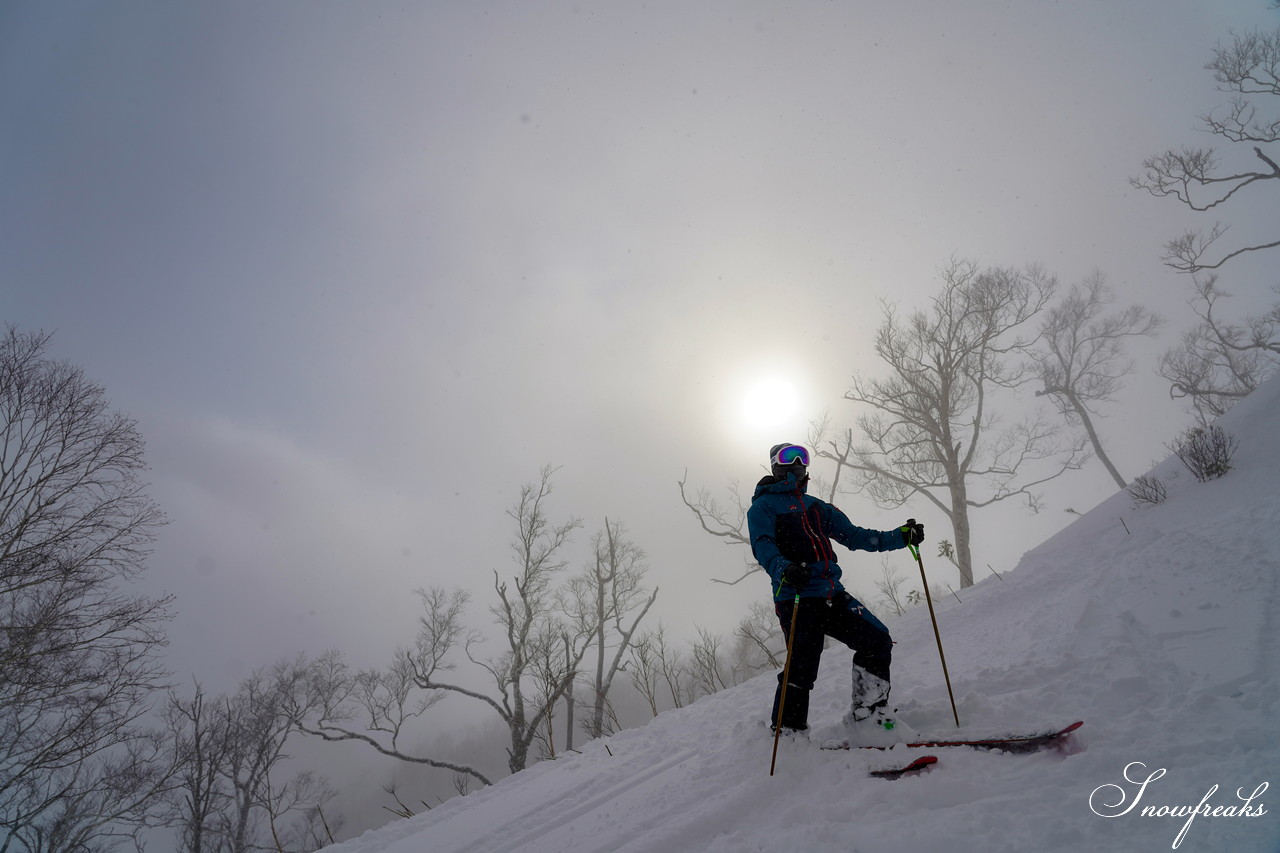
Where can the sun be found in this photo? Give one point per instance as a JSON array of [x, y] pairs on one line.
[[770, 402]]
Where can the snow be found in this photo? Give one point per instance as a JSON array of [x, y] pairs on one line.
[[1155, 625]]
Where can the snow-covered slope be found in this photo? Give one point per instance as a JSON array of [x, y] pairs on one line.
[[1155, 625]]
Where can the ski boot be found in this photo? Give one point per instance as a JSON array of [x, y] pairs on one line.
[[870, 721]]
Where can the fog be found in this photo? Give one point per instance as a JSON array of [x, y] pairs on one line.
[[360, 270]]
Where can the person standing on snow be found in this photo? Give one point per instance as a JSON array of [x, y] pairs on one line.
[[791, 534]]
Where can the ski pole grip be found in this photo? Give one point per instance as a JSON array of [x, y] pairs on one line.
[[911, 522]]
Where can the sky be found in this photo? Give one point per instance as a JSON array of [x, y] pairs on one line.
[[359, 270]]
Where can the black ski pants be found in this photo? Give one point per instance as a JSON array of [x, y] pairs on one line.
[[854, 625]]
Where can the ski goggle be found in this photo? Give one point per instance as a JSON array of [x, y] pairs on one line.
[[791, 454]]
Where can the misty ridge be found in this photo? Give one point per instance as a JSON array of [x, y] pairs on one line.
[[992, 392]]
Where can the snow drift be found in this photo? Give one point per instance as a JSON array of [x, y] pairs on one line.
[[1154, 624]]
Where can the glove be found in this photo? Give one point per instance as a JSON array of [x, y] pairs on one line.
[[912, 533], [797, 577]]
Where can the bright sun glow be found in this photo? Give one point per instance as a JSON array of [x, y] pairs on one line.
[[770, 403]]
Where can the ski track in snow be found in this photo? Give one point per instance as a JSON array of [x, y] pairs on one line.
[[538, 826], [1154, 624]]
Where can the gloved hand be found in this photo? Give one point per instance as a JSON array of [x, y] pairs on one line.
[[912, 533], [797, 577]]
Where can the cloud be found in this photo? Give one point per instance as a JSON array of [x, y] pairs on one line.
[[276, 549]]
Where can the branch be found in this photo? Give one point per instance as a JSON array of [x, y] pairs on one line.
[[1185, 257], [705, 509], [335, 734], [751, 570], [1275, 170]]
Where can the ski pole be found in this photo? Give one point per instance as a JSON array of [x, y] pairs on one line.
[[786, 675], [915, 552]]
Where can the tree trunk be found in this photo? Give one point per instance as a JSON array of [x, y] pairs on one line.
[[568, 716], [1083, 414], [569, 697], [960, 527], [519, 754], [597, 712]]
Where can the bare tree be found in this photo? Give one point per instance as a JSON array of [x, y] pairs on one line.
[[606, 604], [261, 717], [1248, 67], [642, 669], [707, 664], [1080, 357], [78, 651], [229, 751], [530, 674], [890, 586], [1217, 363], [200, 741], [294, 813], [932, 425], [761, 645], [113, 800], [726, 522], [526, 613], [374, 706], [570, 699], [659, 669]]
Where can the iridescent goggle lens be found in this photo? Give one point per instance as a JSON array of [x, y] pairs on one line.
[[790, 455]]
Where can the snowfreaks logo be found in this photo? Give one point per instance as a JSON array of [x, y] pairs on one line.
[[1113, 800]]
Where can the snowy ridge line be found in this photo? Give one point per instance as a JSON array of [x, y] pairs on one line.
[[523, 839]]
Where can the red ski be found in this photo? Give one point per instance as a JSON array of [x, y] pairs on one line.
[[1014, 743], [924, 762]]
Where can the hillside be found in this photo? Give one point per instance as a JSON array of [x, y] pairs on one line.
[[1155, 625]]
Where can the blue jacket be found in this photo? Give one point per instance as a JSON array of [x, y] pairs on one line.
[[788, 526]]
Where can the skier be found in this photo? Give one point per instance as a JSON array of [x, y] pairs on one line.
[[791, 535]]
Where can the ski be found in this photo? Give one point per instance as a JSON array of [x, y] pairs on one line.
[[924, 762], [1014, 743]]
